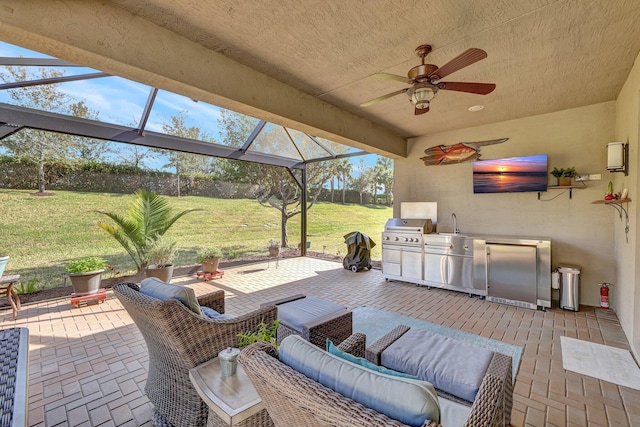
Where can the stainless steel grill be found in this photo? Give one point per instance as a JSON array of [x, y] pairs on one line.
[[402, 248]]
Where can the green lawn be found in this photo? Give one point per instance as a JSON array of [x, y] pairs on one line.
[[41, 234]]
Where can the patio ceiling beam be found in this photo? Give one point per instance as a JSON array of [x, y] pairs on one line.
[[36, 62], [107, 38], [110, 132], [338, 156], [147, 110], [7, 129], [52, 80], [321, 145], [254, 134]]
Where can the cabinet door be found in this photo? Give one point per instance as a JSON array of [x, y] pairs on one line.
[[436, 267], [411, 265], [511, 272]]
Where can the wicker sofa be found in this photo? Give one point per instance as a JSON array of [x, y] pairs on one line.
[[292, 398], [178, 340]]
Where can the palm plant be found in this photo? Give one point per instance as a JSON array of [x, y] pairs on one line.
[[148, 217]]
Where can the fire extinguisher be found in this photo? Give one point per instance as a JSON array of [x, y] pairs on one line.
[[604, 296]]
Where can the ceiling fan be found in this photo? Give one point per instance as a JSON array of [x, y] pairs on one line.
[[425, 79]]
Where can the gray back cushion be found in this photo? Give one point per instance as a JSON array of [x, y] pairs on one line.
[[163, 291], [406, 400], [450, 365]]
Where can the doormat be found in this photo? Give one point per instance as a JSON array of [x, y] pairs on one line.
[[376, 323], [603, 362]]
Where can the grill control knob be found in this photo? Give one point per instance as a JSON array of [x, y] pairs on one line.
[[406, 239], [386, 237], [396, 239]]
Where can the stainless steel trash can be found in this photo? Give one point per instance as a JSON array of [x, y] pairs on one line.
[[570, 286]]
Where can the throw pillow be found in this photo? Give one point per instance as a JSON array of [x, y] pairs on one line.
[[331, 348], [164, 291], [212, 314]]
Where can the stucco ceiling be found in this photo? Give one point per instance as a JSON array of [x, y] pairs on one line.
[[543, 55]]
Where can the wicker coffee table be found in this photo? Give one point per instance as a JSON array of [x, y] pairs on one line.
[[232, 401]]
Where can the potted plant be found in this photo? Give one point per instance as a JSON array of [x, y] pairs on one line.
[[4, 258], [564, 175], [149, 216], [86, 275], [209, 258], [266, 333], [274, 247], [160, 258]]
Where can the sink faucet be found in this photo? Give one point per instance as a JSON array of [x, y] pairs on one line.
[[455, 223]]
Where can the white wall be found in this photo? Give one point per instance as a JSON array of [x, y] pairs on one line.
[[581, 232], [626, 292]]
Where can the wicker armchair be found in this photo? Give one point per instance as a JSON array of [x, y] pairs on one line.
[[293, 399], [178, 340]]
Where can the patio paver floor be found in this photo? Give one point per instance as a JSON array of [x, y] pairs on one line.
[[88, 364]]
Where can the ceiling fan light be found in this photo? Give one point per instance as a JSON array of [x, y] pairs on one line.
[[420, 96]]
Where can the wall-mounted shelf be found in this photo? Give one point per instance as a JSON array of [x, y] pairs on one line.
[[564, 187], [617, 204]]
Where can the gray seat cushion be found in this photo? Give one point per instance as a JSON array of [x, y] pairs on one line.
[[450, 365], [296, 313]]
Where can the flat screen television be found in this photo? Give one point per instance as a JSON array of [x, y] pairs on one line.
[[510, 175]]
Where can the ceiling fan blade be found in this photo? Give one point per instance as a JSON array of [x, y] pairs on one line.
[[479, 88], [466, 58], [419, 111], [383, 97], [395, 77]]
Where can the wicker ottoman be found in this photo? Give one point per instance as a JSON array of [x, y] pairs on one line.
[[315, 319]]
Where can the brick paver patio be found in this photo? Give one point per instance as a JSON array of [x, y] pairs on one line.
[[88, 364]]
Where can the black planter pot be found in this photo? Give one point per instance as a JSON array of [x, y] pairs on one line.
[[86, 283]]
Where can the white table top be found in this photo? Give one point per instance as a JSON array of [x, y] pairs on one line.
[[232, 398]]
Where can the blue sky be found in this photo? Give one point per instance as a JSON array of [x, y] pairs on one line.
[[122, 101]]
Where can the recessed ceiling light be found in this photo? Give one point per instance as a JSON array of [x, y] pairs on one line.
[[476, 107]]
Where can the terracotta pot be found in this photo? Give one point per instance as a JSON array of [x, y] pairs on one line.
[[162, 273], [210, 265], [274, 250], [86, 283]]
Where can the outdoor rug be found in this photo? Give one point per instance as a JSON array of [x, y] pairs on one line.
[[603, 362], [376, 323]]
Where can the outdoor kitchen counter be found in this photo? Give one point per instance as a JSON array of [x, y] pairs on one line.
[[505, 239]]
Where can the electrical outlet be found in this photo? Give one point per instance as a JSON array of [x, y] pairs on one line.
[[584, 177], [595, 177]]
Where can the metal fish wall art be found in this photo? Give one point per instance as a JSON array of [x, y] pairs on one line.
[[456, 153]]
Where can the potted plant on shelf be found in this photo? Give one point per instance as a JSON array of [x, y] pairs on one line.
[[564, 175], [274, 247], [4, 258], [160, 258], [86, 275], [209, 258]]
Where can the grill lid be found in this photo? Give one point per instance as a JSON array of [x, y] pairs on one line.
[[421, 226]]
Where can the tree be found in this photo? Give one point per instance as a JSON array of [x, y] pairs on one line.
[[36, 145], [186, 163], [383, 171], [363, 180], [344, 168], [148, 217], [88, 149]]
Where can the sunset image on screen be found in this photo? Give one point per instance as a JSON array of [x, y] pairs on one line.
[[515, 174]]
